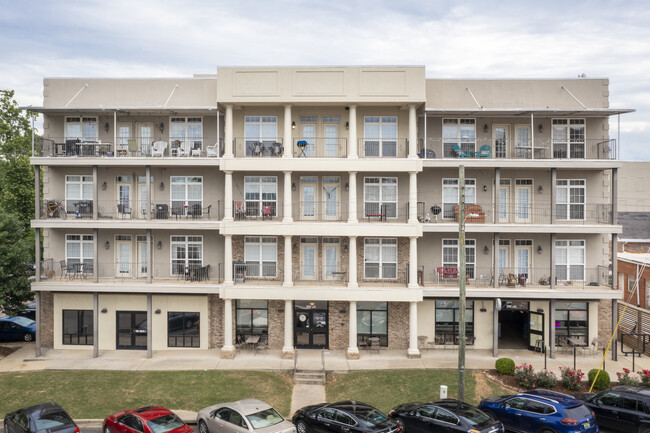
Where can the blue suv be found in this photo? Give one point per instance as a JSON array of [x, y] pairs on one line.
[[541, 411]]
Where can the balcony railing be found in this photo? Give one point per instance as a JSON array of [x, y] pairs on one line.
[[264, 271], [255, 210], [316, 273], [258, 147], [125, 209], [487, 148], [332, 147], [383, 147], [320, 211], [382, 212], [381, 274], [131, 147]]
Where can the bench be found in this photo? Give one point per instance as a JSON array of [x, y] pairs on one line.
[[470, 209]]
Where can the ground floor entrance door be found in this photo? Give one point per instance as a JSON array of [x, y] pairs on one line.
[[310, 325], [536, 335], [132, 330]]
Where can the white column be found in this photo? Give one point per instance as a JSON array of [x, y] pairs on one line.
[[352, 263], [352, 197], [413, 262], [227, 326], [353, 146], [413, 197], [228, 151], [227, 194], [288, 327], [353, 349], [413, 132], [413, 330], [288, 206], [288, 258], [227, 261], [287, 141]]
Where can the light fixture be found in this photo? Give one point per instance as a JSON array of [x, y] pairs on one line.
[[540, 128], [104, 310], [484, 187], [486, 128], [104, 186], [347, 186], [293, 186], [161, 127], [347, 125], [295, 248], [345, 248], [107, 245], [157, 311], [486, 250], [539, 249], [540, 189], [159, 245], [162, 186], [106, 127], [293, 125]]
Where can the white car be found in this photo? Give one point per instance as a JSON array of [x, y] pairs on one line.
[[242, 416]]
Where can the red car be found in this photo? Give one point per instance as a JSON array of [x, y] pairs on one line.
[[149, 419]]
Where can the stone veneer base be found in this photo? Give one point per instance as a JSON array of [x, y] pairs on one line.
[[413, 355], [352, 354], [228, 354], [288, 354]]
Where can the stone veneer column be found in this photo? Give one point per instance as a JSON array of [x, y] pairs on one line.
[[353, 350], [288, 206], [352, 197], [228, 138], [413, 351], [352, 263], [288, 274], [228, 350], [413, 263], [413, 197], [413, 132], [227, 261], [287, 140], [227, 197], [352, 134], [287, 349]]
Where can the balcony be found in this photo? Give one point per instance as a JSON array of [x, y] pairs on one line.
[[334, 275], [258, 147], [383, 147], [254, 210], [320, 211], [332, 147], [596, 148]]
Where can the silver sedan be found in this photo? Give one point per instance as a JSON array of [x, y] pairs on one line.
[[242, 416]]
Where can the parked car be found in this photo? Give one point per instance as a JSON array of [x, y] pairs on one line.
[[344, 416], [29, 311], [541, 411], [242, 416], [622, 408], [445, 415], [44, 417], [148, 419], [17, 328]]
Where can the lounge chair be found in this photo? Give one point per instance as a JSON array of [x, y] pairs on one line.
[[158, 148], [485, 151], [459, 152]]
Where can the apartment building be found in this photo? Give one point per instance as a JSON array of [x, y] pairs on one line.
[[317, 207]]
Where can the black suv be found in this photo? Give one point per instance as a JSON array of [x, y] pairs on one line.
[[622, 408]]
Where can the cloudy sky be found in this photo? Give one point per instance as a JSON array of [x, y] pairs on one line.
[[472, 39]]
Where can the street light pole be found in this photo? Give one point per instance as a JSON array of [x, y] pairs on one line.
[[462, 280]]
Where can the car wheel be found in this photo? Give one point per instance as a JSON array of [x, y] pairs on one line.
[[302, 427], [547, 431], [28, 337], [203, 427], [401, 425]]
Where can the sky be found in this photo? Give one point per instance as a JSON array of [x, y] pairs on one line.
[[471, 39]]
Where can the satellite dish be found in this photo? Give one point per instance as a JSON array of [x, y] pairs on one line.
[[497, 303]]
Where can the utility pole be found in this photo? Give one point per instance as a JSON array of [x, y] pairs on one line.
[[462, 279]]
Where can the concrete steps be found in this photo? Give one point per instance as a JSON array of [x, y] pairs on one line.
[[309, 377]]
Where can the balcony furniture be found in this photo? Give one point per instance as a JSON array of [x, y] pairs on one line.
[[87, 269], [540, 153], [64, 268], [255, 148], [196, 148], [123, 210], [426, 153], [471, 209], [459, 152], [267, 212], [132, 145], [374, 343], [158, 148], [240, 210], [212, 151], [84, 209], [422, 341], [240, 342], [485, 151], [511, 281], [446, 273], [182, 148], [301, 147], [162, 211]]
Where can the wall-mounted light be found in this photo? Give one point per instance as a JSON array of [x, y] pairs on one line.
[[293, 125], [107, 245], [157, 311], [161, 127], [484, 187], [345, 248], [106, 127], [486, 250], [159, 245], [540, 128], [539, 249], [162, 186], [293, 186], [295, 248], [104, 186], [486, 128], [540, 189], [347, 186], [347, 125], [104, 310]]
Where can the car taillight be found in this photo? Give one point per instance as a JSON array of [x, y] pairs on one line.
[[76, 429], [569, 421], [593, 414]]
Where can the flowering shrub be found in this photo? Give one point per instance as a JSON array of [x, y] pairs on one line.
[[546, 379], [645, 377], [571, 378], [625, 378], [526, 376]]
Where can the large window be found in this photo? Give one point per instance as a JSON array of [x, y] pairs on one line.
[[568, 137], [79, 249], [380, 196], [570, 260], [183, 329], [252, 317], [380, 136], [461, 132], [82, 128], [447, 315], [78, 327], [372, 321], [186, 134], [259, 130], [450, 195], [261, 256], [186, 252], [261, 193], [570, 199], [77, 189], [572, 321], [380, 258], [450, 255], [187, 195]]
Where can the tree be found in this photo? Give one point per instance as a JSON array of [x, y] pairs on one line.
[[17, 188], [15, 128], [16, 246]]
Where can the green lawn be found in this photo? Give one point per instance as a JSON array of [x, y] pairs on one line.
[[96, 394]]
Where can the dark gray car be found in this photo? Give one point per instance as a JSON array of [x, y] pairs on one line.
[[44, 417]]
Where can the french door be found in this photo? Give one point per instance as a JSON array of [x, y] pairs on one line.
[[145, 137], [123, 252], [503, 257], [330, 258], [308, 187], [331, 141], [124, 198], [523, 257], [330, 198], [309, 135], [503, 201], [310, 325], [131, 330], [501, 134], [308, 253], [536, 330], [142, 255], [523, 200], [522, 141]]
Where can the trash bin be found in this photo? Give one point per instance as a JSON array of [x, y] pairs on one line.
[[162, 211]]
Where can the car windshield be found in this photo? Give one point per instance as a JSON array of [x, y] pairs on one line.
[[577, 412], [371, 417], [165, 423], [474, 416], [265, 418], [52, 420], [23, 321]]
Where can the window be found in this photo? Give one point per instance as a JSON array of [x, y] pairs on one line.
[[183, 329], [461, 132], [568, 137], [372, 321], [570, 260], [77, 189], [572, 321], [447, 317], [186, 133], [380, 136], [79, 249], [186, 252], [450, 255], [380, 196], [83, 128], [260, 192], [631, 279], [186, 195], [570, 199], [252, 317], [259, 129], [380, 257], [608, 398], [261, 256], [78, 327], [450, 195]]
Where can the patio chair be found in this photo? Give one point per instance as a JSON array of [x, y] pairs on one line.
[[240, 210], [123, 210], [182, 147], [212, 151], [267, 212], [158, 148], [64, 268], [459, 152], [485, 151]]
